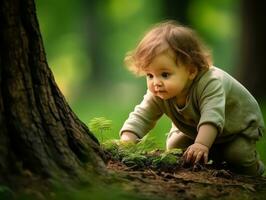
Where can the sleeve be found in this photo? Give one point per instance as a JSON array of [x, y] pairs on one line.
[[144, 116], [211, 99]]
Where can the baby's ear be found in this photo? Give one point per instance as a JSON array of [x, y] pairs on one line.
[[193, 71]]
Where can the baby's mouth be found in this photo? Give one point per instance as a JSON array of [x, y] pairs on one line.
[[160, 91]]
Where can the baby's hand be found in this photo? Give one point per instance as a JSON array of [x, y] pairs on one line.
[[195, 153], [129, 137]]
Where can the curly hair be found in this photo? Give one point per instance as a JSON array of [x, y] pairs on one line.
[[183, 41]]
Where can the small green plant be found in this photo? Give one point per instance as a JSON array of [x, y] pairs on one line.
[[124, 149], [168, 159], [144, 154], [129, 153], [99, 125]]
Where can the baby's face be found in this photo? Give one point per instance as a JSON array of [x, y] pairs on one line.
[[166, 78]]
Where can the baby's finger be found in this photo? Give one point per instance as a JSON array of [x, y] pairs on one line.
[[198, 157], [205, 155], [185, 154], [189, 156]]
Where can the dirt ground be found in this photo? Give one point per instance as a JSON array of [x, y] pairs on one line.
[[189, 183]]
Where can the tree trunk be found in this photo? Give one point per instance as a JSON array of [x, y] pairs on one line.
[[252, 57], [38, 130]]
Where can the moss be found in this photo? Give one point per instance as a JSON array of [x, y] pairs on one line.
[[142, 155]]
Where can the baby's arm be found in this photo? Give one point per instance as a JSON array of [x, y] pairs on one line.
[[142, 119], [128, 136], [203, 142], [206, 135]]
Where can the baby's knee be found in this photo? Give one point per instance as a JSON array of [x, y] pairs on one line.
[[242, 157], [171, 144], [177, 140], [238, 156], [240, 151]]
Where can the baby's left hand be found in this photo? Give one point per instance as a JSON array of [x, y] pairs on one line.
[[195, 153]]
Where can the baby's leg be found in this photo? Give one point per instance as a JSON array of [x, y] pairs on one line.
[[177, 139], [242, 156]]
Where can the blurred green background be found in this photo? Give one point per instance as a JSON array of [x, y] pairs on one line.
[[86, 41]]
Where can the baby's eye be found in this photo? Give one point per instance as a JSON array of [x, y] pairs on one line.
[[165, 74], [149, 76]]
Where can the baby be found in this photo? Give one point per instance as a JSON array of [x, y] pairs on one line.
[[213, 116]]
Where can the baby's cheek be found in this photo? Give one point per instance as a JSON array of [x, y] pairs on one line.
[[172, 87], [151, 88]]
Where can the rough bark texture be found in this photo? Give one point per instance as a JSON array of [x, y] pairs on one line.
[[38, 130]]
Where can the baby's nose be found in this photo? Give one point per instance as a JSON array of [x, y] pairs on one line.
[[157, 82]]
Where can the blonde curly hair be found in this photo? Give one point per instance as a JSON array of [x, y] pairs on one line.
[[183, 41]]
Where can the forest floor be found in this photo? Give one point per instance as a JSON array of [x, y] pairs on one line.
[[138, 172], [180, 182]]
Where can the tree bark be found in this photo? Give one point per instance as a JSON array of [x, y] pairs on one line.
[[38, 130]]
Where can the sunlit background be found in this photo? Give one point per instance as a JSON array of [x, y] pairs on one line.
[[86, 41]]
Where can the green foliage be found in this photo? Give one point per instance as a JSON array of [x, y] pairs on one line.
[[143, 154], [124, 150], [168, 159], [99, 125], [135, 160]]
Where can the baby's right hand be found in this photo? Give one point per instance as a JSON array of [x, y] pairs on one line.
[[195, 153], [129, 137]]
